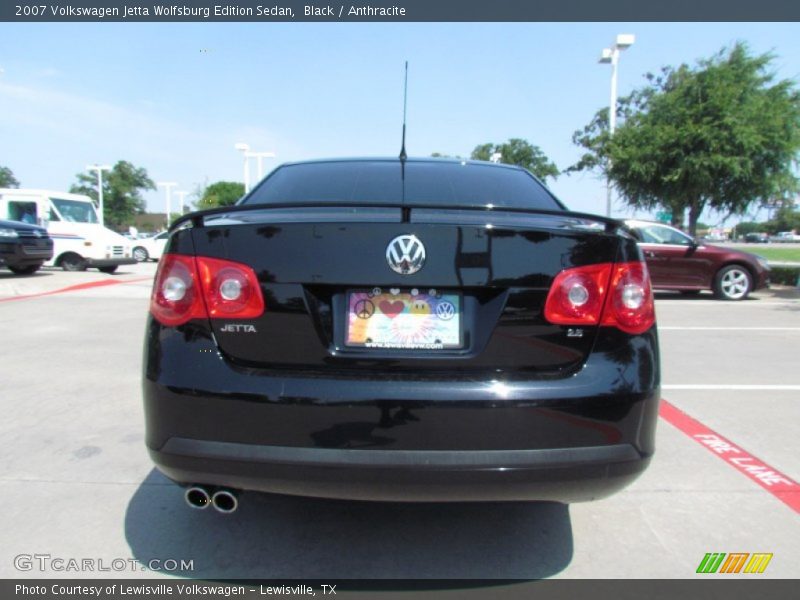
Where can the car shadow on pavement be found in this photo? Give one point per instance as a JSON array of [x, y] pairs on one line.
[[272, 537]]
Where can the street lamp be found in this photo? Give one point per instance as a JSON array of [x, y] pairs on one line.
[[99, 169], [260, 156], [181, 194], [168, 185], [245, 150], [611, 56]]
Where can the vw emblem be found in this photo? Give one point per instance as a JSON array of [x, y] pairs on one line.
[[445, 310], [405, 254]]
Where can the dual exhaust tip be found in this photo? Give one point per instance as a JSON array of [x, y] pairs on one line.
[[223, 500]]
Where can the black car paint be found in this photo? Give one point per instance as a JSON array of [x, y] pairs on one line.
[[523, 412], [27, 250]]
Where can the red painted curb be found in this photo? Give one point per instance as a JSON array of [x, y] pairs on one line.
[[776, 483], [76, 288]]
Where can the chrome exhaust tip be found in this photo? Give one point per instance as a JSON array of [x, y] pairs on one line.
[[225, 501], [197, 497]]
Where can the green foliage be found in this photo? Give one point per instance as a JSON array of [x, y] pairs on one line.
[[745, 227], [519, 152], [786, 219], [721, 135], [7, 179], [774, 252], [122, 192], [221, 193], [785, 275]]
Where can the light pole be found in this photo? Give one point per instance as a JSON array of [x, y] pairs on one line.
[[99, 169], [260, 156], [610, 56], [181, 194], [168, 185], [245, 150]]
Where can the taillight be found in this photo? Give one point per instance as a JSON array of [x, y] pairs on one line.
[[617, 295], [188, 287], [577, 295], [230, 289], [176, 297], [630, 301]]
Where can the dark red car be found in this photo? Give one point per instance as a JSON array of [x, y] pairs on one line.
[[679, 262]]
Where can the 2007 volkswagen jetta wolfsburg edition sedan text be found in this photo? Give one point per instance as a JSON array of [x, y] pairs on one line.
[[385, 329]]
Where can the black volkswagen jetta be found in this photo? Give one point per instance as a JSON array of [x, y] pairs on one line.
[[416, 330]]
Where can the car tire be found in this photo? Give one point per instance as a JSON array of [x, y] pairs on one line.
[[109, 270], [29, 270], [733, 282], [140, 254], [72, 262]]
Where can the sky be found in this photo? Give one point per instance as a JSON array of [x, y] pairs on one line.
[[174, 98]]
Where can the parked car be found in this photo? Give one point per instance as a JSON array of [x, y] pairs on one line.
[[150, 248], [786, 237], [677, 261], [71, 220], [756, 238], [24, 247], [412, 330]]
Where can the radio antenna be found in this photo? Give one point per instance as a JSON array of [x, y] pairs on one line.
[[403, 154]]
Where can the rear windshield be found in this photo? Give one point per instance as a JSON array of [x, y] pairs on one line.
[[445, 183]]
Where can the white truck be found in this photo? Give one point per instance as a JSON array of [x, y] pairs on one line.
[[79, 241]]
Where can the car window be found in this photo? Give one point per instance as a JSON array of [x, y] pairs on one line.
[[419, 183], [75, 211], [657, 234], [162, 236]]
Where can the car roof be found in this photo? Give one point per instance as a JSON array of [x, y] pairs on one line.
[[634, 222], [19, 224], [428, 159]]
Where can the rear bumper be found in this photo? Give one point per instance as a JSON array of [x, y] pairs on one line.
[[561, 475], [580, 437]]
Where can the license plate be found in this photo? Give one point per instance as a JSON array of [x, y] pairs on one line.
[[403, 319]]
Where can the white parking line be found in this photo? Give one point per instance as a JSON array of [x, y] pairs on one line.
[[678, 328], [716, 303], [725, 386]]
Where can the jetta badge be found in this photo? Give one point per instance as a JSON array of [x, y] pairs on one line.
[[405, 254]]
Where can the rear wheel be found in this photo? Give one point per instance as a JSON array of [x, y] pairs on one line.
[[29, 270], [72, 262], [140, 254], [733, 282], [110, 269]]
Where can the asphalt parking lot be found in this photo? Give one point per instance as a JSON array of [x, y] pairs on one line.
[[78, 483]]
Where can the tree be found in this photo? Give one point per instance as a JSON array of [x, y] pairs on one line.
[[786, 219], [221, 193], [122, 192], [7, 179], [720, 135], [519, 152]]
